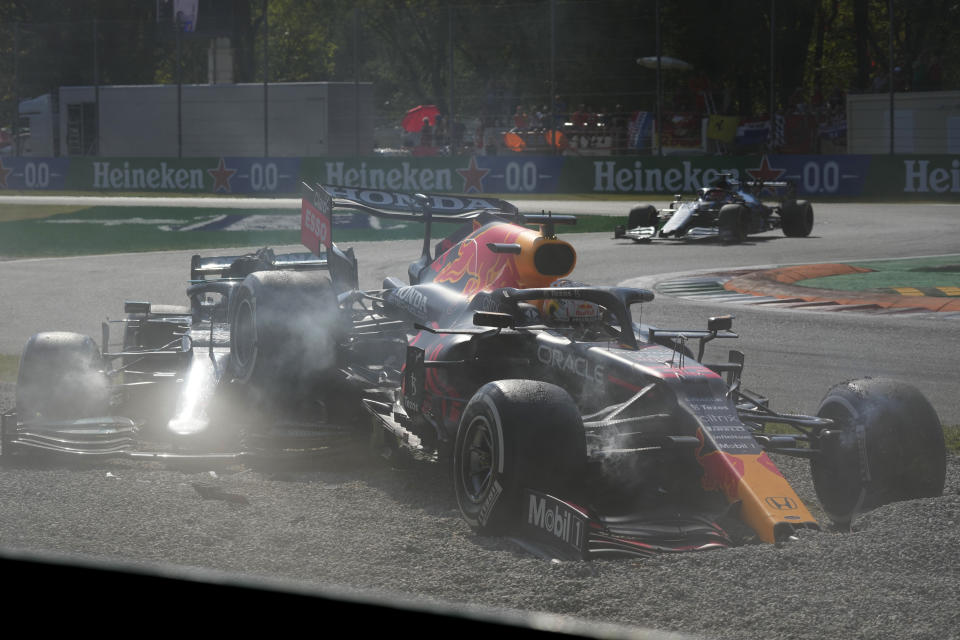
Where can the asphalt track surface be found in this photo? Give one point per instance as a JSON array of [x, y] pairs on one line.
[[358, 525]]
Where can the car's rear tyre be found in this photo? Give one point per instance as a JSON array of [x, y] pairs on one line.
[[796, 218], [732, 223], [61, 377], [514, 434], [644, 215], [887, 445], [284, 327]]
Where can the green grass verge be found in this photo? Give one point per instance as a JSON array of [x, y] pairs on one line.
[[951, 434], [9, 365], [99, 230], [942, 271], [14, 212]]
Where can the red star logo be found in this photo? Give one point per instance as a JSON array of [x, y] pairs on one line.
[[765, 172], [3, 175], [221, 177], [473, 176]]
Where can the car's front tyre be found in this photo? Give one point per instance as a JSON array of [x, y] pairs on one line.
[[886, 445], [61, 377], [796, 218], [733, 223], [644, 215], [514, 434]]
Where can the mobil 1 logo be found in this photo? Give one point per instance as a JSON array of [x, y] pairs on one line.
[[554, 523]]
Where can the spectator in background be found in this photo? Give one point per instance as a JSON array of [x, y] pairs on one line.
[[537, 118], [559, 112], [426, 134], [521, 121]]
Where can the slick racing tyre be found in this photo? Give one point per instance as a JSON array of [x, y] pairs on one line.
[[61, 378], [732, 223], [642, 216], [886, 445], [284, 327], [796, 218], [515, 434]]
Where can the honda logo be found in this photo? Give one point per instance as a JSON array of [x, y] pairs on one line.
[[782, 503]]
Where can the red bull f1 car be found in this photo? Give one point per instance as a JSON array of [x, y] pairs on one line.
[[563, 420], [728, 209]]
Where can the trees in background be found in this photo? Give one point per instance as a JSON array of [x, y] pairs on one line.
[[499, 53]]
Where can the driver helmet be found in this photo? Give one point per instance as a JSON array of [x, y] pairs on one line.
[[722, 182], [564, 310]]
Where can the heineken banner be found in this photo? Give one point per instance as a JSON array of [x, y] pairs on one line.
[[186, 175], [824, 176], [473, 174], [812, 175], [33, 173]]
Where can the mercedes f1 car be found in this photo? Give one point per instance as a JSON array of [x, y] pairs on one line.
[[727, 209], [563, 419]]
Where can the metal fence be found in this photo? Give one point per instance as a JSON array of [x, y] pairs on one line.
[[549, 76]]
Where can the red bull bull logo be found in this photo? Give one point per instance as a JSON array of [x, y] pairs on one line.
[[722, 472], [470, 267], [767, 500]]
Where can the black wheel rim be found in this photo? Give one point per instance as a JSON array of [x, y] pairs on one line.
[[478, 459]]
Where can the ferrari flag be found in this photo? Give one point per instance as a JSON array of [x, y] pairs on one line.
[[722, 128]]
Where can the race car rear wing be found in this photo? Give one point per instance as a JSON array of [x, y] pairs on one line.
[[782, 189], [766, 183], [204, 267], [417, 207], [316, 220]]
